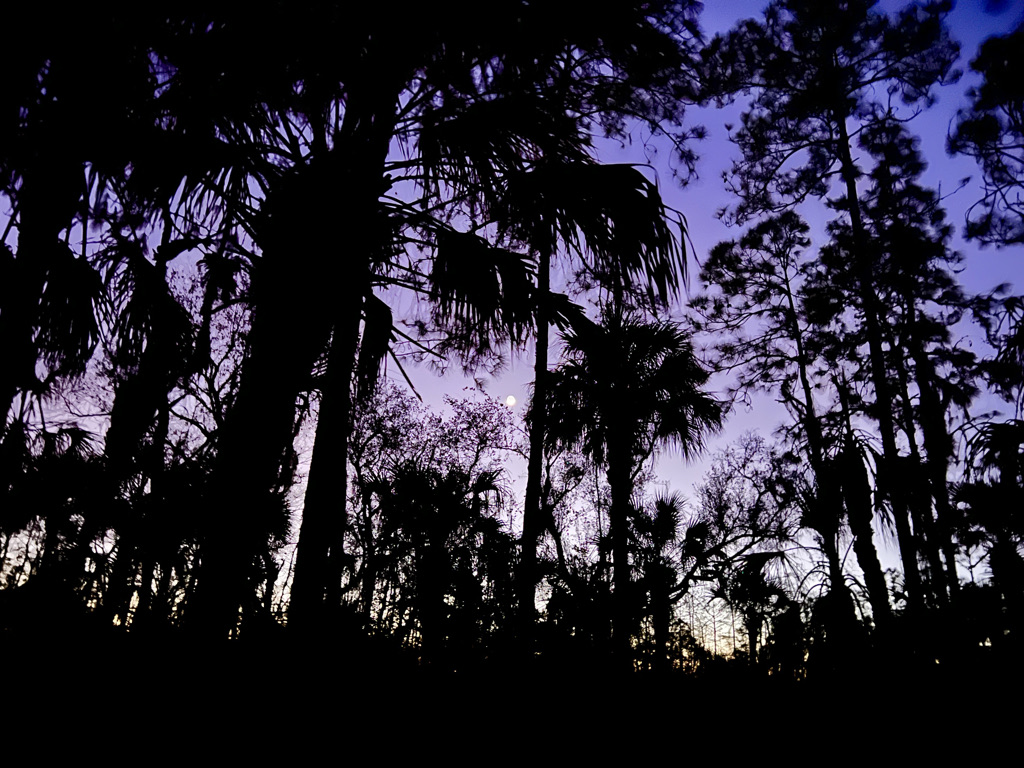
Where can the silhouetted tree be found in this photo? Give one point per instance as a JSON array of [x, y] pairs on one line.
[[755, 306], [912, 272], [658, 534], [63, 142], [614, 218], [815, 72], [620, 393], [427, 494], [346, 87], [989, 504], [992, 132], [756, 596], [747, 506]]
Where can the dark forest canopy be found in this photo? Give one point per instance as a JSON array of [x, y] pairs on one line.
[[222, 228]]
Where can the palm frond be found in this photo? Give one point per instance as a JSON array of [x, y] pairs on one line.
[[481, 292], [566, 314], [377, 339], [610, 215], [640, 382], [470, 147], [67, 327], [668, 513]]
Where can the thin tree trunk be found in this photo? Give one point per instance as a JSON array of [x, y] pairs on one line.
[[939, 447], [920, 501], [620, 482], [662, 613], [533, 519], [879, 376], [155, 468], [828, 498]]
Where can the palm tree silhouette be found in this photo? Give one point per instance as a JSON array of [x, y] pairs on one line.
[[321, 110], [659, 533], [63, 140], [613, 220], [990, 506], [435, 523], [622, 391]]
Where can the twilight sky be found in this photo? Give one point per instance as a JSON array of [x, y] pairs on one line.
[[970, 23]]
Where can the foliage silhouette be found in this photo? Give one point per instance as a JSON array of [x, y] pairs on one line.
[[622, 392], [813, 71], [991, 132], [216, 222]]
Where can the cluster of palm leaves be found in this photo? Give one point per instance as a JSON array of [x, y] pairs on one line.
[[214, 224], [305, 170]]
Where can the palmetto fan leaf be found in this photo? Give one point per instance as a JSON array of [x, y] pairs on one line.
[[469, 148], [998, 447], [565, 313], [144, 309], [613, 213], [667, 520], [480, 291], [67, 330], [639, 382]]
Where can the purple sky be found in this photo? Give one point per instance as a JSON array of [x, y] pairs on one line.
[[970, 23]]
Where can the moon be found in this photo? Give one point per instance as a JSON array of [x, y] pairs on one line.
[[510, 401]]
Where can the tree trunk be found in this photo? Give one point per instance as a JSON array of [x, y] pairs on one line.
[[355, 178], [938, 447], [296, 307], [828, 498], [661, 608], [917, 478], [879, 376], [857, 495], [292, 300], [533, 518], [620, 482], [321, 538]]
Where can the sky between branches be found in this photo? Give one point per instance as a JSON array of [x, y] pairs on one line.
[[971, 22]]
